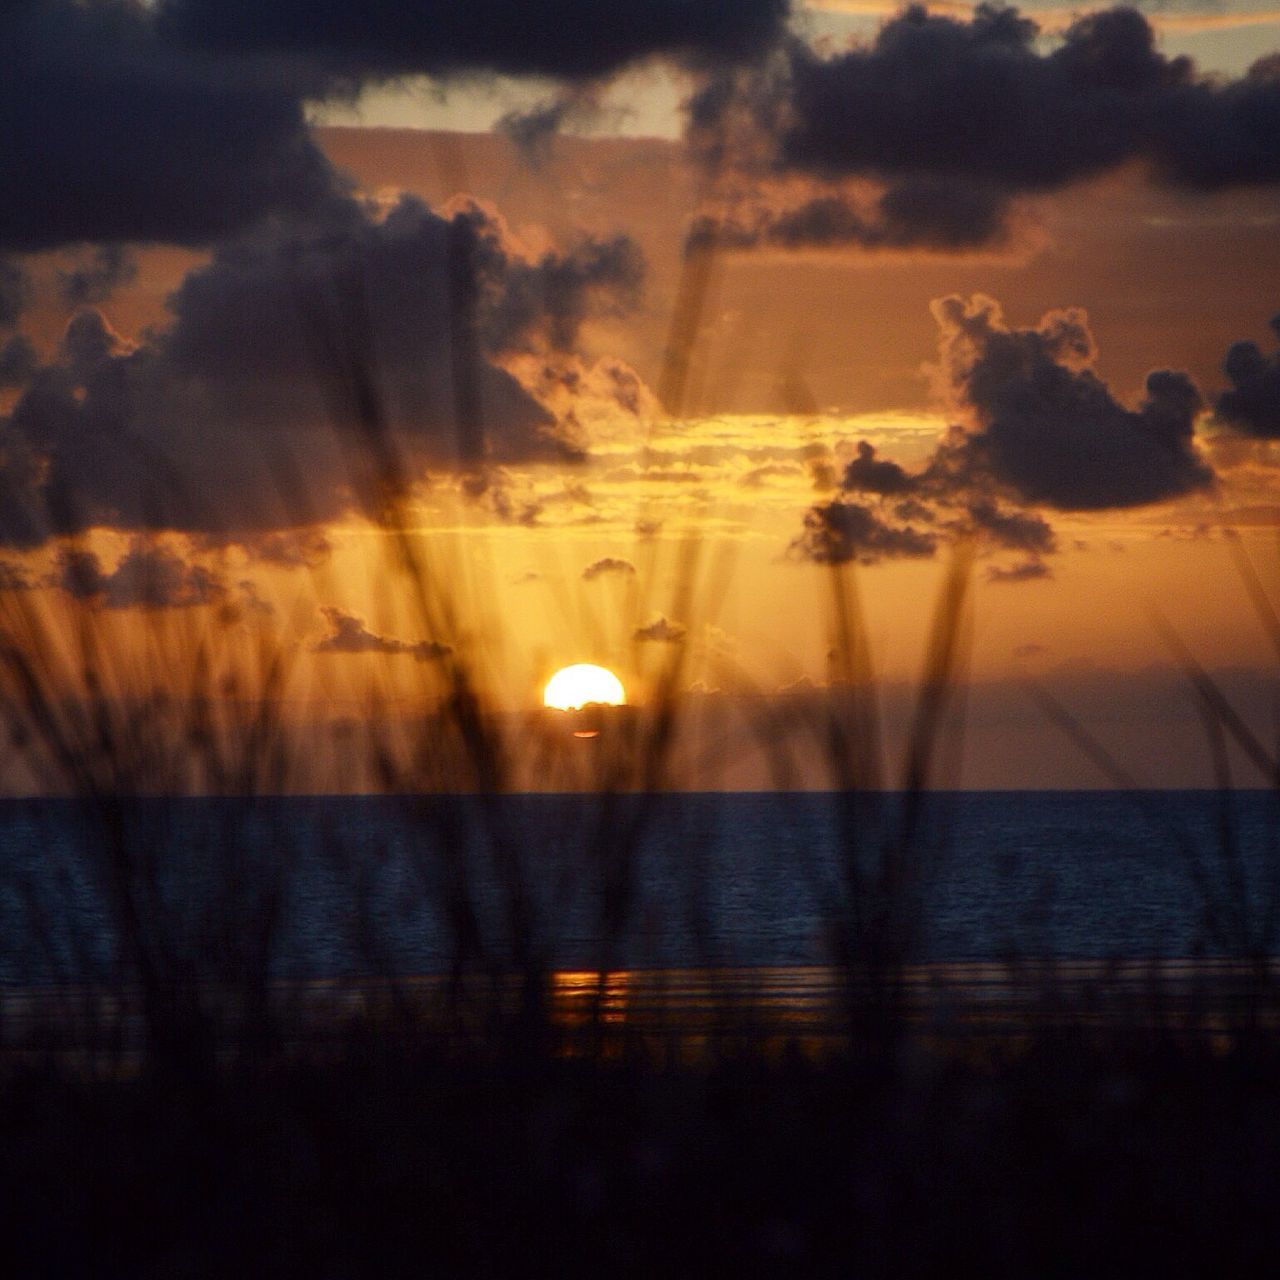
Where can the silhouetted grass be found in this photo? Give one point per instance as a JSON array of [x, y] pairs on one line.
[[171, 1104]]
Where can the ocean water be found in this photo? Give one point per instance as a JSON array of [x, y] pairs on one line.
[[339, 886]]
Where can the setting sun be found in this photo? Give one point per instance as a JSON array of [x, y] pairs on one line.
[[581, 684]]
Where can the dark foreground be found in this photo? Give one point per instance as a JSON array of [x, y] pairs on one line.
[[1069, 1149]]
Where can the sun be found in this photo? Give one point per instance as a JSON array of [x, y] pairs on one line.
[[583, 683]]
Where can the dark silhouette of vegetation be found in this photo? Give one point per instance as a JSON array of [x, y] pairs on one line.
[[175, 1101]]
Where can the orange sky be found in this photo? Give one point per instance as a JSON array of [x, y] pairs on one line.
[[686, 532]]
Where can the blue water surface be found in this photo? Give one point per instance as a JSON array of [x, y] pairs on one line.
[[335, 886]]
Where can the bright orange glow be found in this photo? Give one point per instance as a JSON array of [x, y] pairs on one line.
[[582, 684]]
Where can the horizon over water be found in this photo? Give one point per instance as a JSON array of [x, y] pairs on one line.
[[374, 884]]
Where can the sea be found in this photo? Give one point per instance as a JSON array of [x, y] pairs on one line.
[[333, 887]]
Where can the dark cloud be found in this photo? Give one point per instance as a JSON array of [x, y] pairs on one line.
[[14, 577], [291, 548], [1048, 428], [94, 281], [88, 342], [573, 39], [223, 423], [18, 361], [838, 532], [500, 493], [920, 212], [547, 299], [1023, 571], [956, 118], [147, 577], [15, 291], [1014, 530], [661, 631], [108, 133], [1252, 405], [610, 565], [869, 474], [248, 602], [183, 121], [349, 634], [533, 130], [1042, 430]]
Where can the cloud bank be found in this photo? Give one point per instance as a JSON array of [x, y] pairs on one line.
[[110, 133], [223, 423], [958, 118], [572, 39]]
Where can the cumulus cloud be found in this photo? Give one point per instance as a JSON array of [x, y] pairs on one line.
[[1048, 428], [608, 565], [869, 474], [572, 39], [221, 423], [1038, 428], [957, 118], [1252, 404], [348, 634], [840, 531], [147, 577], [662, 630]]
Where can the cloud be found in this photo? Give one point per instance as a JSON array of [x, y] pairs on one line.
[[533, 130], [1046, 427], [87, 343], [291, 548], [112, 134], [920, 212], [570, 39], [95, 280], [869, 474], [1023, 571], [839, 531], [183, 121], [15, 292], [545, 300], [1039, 429], [1014, 530], [1252, 405], [661, 631], [610, 565], [14, 577], [503, 495], [147, 577], [222, 424], [349, 634], [18, 361], [955, 118]]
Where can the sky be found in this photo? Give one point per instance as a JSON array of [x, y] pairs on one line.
[[515, 336]]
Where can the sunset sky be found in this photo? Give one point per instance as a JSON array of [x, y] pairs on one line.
[[745, 292]]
